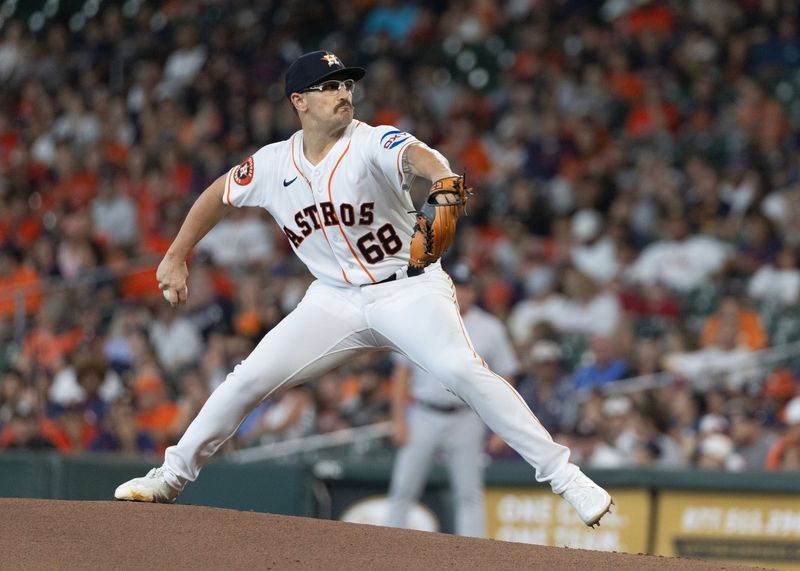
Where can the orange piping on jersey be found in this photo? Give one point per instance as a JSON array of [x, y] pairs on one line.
[[485, 366], [330, 197], [308, 182], [228, 186], [400, 154]]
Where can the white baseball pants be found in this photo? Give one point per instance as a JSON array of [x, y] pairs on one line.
[[417, 316]]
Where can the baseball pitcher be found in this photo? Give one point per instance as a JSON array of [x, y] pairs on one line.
[[338, 189]]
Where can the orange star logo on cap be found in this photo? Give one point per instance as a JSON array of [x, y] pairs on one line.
[[331, 59]]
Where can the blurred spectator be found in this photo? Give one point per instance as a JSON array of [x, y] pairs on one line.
[[192, 396], [76, 429], [209, 306], [393, 17], [655, 445], [593, 450], [176, 340], [24, 431], [607, 365], [119, 343], [750, 332], [648, 355], [156, 413], [779, 282], [713, 424], [119, 431], [724, 363], [585, 309], [12, 53], [371, 403], [785, 453], [619, 426], [289, 415], [241, 239], [184, 63], [680, 260], [594, 253], [114, 215], [11, 385], [89, 381], [752, 440], [717, 453], [779, 388], [651, 304], [47, 346], [547, 389], [326, 403]]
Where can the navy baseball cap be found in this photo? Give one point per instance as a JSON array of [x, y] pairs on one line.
[[315, 67]]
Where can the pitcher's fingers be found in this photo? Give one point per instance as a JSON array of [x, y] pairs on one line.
[[183, 294]]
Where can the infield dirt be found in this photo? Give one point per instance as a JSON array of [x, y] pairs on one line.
[[52, 534]]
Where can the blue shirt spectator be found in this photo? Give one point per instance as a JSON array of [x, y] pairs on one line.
[[607, 366]]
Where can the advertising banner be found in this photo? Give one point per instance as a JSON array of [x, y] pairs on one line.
[[536, 515], [747, 528]]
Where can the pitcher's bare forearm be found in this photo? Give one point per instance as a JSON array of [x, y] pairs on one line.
[[421, 160], [207, 210]]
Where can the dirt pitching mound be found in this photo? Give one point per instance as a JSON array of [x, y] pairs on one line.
[[51, 534]]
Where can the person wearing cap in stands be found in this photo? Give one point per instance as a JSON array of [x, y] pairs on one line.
[[547, 388], [751, 438], [435, 420]]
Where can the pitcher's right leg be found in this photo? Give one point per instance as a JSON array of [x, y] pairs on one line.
[[324, 330]]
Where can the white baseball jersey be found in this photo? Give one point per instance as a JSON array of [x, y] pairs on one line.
[[348, 220], [347, 217], [491, 342]]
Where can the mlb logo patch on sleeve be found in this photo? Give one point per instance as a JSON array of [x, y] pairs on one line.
[[244, 172], [393, 138]]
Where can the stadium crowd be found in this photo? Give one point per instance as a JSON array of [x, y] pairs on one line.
[[636, 214]]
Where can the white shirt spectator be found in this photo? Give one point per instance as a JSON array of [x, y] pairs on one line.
[[176, 341], [682, 265], [704, 367], [598, 316], [606, 456], [770, 283], [66, 390], [114, 217], [238, 241], [12, 52], [44, 149], [184, 64], [598, 260]]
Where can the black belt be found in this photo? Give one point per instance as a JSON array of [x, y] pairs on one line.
[[410, 273], [440, 408]]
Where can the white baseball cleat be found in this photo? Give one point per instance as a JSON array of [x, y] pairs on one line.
[[151, 488], [590, 500]]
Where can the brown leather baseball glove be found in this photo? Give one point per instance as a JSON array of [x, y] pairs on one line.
[[436, 220]]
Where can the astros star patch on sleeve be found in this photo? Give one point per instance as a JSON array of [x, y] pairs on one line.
[[244, 172]]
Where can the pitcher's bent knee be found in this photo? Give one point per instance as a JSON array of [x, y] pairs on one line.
[[454, 372]]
